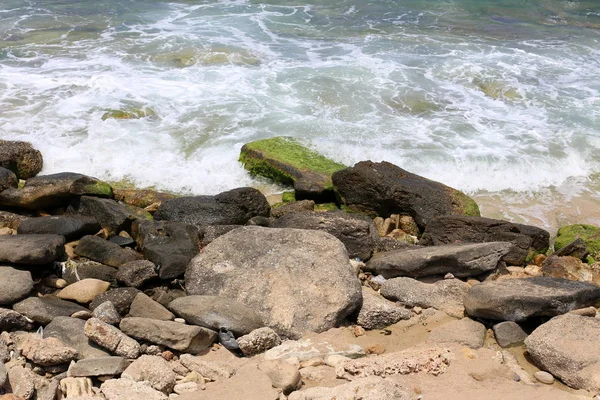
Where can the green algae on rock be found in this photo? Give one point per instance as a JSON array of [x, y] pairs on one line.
[[130, 113], [590, 234], [286, 161]]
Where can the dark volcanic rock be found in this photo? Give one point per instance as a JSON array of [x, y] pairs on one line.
[[113, 216], [519, 299], [8, 179], [71, 331], [14, 285], [120, 297], [296, 280], [31, 249], [450, 229], [461, 260], [44, 309], [105, 252], [136, 273], [234, 207], [123, 241], [12, 320], [357, 232], [216, 312], [384, 189], [11, 220], [50, 191], [74, 271], [71, 227], [169, 245], [21, 158]]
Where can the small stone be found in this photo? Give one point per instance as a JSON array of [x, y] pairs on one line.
[[377, 312], [137, 273], [464, 332], [358, 330], [107, 312], [544, 377], [14, 285], [186, 387], [3, 374], [84, 291], [84, 315], [448, 276], [111, 338], [180, 320], [153, 369], [55, 282], [376, 349], [283, 375], [212, 371], [585, 312], [21, 381], [417, 310], [258, 341], [509, 333], [73, 388], [335, 359], [12, 320], [472, 282], [144, 307], [100, 366], [168, 355]]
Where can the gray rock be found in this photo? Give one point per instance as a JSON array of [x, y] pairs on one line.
[[577, 248], [370, 388], [107, 313], [567, 347], [462, 332], [120, 297], [136, 273], [445, 295], [14, 285], [31, 249], [448, 229], [209, 233], [509, 333], [83, 291], [8, 179], [283, 375], [185, 338], [153, 369], [258, 341], [74, 388], [215, 312], [111, 338], [357, 232], [70, 331], [459, 260], [285, 275], [72, 227], [105, 252], [99, 366], [76, 270], [144, 307], [21, 158], [378, 313], [519, 299], [45, 309], [296, 206], [4, 353], [169, 245], [210, 370]]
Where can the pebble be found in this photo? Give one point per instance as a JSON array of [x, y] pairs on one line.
[[417, 310], [180, 320], [358, 331], [448, 276], [544, 377]]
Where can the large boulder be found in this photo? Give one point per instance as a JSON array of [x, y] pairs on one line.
[[461, 260], [121, 298], [21, 158], [55, 190], [567, 347], [590, 234], [168, 244], [31, 249], [8, 179], [234, 207], [523, 298], [72, 227], [384, 189], [14, 285], [448, 229], [296, 280], [357, 232], [286, 161]]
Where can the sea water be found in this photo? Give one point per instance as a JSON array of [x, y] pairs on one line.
[[498, 98]]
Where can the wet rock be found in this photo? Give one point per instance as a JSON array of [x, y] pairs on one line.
[[306, 349], [11, 220], [461, 260], [77, 270], [378, 313], [31, 249], [308, 264], [144, 307], [169, 245], [462, 332], [83, 291], [509, 333], [519, 299], [14, 285], [20, 158], [12, 320], [566, 346], [153, 369], [296, 206], [72, 227], [215, 312], [258, 341], [8, 179], [127, 389], [370, 388], [283, 375], [136, 273], [357, 232], [111, 338], [44, 309], [105, 252], [234, 207], [384, 189], [46, 352], [99, 366], [185, 338], [445, 295], [70, 331], [120, 297], [107, 313], [210, 370]]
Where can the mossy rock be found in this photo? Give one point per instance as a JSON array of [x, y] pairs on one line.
[[496, 90], [326, 207], [590, 234], [286, 161], [288, 197], [130, 113], [141, 197]]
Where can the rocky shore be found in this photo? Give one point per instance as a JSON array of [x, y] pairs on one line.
[[364, 282]]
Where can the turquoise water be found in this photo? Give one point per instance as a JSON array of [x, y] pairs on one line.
[[485, 96]]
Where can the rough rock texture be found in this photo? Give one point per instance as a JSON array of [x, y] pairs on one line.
[[571, 268], [111, 338], [105, 252], [120, 297], [44, 309], [519, 299], [51, 191], [509, 333], [72, 387], [70, 331], [14, 285], [84, 290], [99, 366], [144, 307], [107, 312], [370, 388], [293, 207], [72, 227], [21, 158], [461, 260], [31, 249], [377, 312], [11, 220], [49, 351], [283, 375], [213, 371], [448, 229], [153, 369], [384, 189], [12, 320], [234, 207], [141, 197], [590, 234], [209, 233], [21, 382], [136, 273], [296, 280], [464, 332], [357, 232], [215, 312], [127, 389], [169, 245], [445, 295], [77, 270], [567, 347], [258, 341], [8, 179], [432, 361], [306, 349], [577, 248], [185, 338]]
